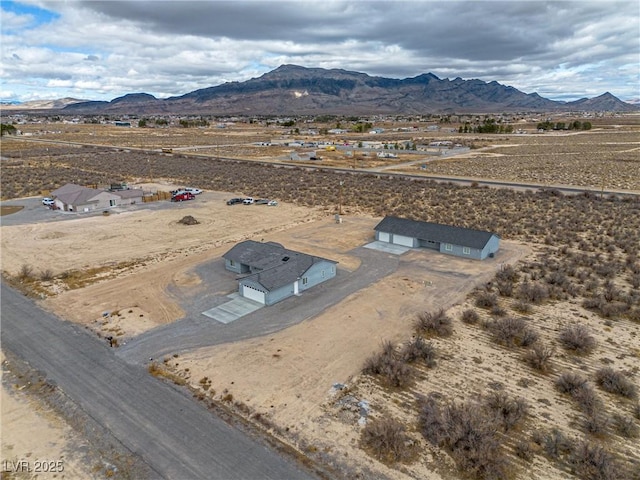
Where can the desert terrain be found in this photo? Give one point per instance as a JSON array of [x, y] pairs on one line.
[[570, 261]]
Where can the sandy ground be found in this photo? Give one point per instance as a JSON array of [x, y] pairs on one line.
[[285, 380], [288, 377], [35, 437]]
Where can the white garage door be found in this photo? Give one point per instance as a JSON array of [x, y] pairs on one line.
[[384, 237], [402, 240], [253, 294]]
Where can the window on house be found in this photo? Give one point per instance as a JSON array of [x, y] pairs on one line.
[[448, 247], [466, 250], [322, 273], [231, 263], [305, 280]]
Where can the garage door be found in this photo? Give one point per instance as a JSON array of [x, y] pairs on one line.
[[253, 294], [402, 240], [384, 237]]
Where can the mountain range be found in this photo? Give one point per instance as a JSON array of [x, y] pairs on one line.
[[295, 90]]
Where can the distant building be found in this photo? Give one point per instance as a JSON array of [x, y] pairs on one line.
[[458, 241], [76, 198], [273, 272]]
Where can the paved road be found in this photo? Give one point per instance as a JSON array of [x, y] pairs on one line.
[[197, 330], [176, 436]]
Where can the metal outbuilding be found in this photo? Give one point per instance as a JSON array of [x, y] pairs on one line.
[[459, 241]]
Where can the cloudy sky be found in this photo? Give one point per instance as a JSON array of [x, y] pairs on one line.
[[100, 50]]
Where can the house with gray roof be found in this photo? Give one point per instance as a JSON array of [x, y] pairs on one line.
[[76, 198], [459, 241], [271, 273]]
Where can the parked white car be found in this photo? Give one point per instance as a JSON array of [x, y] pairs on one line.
[[195, 191], [272, 203], [248, 201], [46, 201]]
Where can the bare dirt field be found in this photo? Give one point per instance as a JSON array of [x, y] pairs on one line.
[[31, 433], [575, 263]]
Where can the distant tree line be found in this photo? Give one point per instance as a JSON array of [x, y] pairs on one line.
[[489, 125], [194, 123], [8, 129], [575, 125]]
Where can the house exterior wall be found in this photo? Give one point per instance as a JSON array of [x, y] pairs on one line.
[[236, 267], [317, 273], [129, 200], [397, 239], [429, 244], [105, 200], [492, 246], [460, 251], [280, 294]]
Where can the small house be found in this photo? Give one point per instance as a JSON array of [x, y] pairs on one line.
[[273, 273]]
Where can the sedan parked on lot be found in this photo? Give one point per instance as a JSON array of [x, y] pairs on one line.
[[46, 201], [235, 201]]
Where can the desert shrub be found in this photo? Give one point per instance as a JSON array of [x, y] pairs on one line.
[[468, 432], [525, 450], [505, 288], [512, 331], [539, 357], [26, 272], [626, 426], [470, 316], [588, 400], [46, 275], [592, 461], [555, 443], [486, 300], [615, 382], [522, 306], [636, 410], [533, 292], [508, 411], [578, 339], [508, 274], [595, 423], [418, 349], [393, 371], [386, 439], [434, 324], [498, 311], [570, 383]]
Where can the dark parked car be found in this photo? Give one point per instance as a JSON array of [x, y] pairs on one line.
[[235, 201], [179, 197]]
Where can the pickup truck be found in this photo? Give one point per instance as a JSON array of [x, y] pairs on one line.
[[181, 196]]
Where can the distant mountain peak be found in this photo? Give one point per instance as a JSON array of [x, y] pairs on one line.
[[320, 91]]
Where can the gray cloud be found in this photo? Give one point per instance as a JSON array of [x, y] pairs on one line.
[[558, 48]]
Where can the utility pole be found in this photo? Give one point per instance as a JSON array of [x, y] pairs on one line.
[[340, 198]]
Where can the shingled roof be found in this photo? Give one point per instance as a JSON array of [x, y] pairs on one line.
[[279, 266], [436, 232], [72, 194]]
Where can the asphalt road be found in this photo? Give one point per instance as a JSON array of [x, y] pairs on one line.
[[197, 330], [173, 434]]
